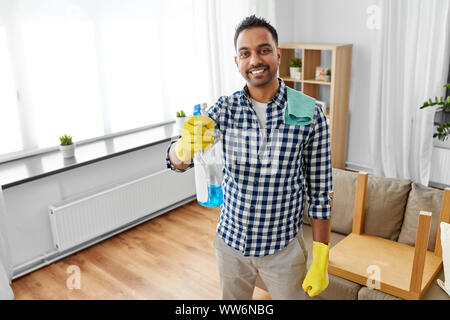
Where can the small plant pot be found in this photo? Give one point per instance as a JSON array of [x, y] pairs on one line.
[[180, 122], [295, 73], [68, 151], [441, 117], [327, 78]]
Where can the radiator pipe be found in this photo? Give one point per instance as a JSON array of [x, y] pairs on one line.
[[43, 258]]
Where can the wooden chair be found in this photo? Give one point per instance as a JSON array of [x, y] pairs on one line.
[[389, 266]]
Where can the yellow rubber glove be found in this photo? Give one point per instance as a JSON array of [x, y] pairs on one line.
[[197, 134], [316, 279]]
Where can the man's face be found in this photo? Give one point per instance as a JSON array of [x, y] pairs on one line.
[[257, 56]]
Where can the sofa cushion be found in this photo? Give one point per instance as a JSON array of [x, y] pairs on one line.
[[344, 185], [373, 294], [421, 198], [338, 288], [434, 292], [385, 206]]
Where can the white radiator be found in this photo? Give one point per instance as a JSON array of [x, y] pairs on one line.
[[87, 216]]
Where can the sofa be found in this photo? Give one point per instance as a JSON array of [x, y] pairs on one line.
[[391, 212]]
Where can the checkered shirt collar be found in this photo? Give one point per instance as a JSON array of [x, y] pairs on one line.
[[278, 100]]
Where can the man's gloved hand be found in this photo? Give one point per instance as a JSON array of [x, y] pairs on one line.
[[197, 134], [316, 279]]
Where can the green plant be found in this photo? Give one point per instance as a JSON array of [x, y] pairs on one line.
[[65, 140], [329, 72], [295, 63], [181, 114], [443, 130]]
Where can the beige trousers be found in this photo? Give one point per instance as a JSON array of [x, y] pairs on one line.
[[282, 272]]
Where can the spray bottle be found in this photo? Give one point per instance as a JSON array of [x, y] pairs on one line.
[[208, 168]]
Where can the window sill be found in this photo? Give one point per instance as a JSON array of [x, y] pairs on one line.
[[48, 162]]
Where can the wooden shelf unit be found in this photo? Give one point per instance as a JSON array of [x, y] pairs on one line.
[[341, 56]]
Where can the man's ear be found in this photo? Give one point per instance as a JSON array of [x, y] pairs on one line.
[[279, 55], [236, 61]]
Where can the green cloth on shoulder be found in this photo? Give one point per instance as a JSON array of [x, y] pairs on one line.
[[300, 108]]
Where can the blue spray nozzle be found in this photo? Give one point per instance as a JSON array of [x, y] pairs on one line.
[[197, 110]]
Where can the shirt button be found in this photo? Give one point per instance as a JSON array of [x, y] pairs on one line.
[[255, 182], [252, 208]]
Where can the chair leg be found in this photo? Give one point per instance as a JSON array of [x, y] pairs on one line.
[[420, 251], [360, 202]]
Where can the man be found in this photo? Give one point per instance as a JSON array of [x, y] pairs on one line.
[[277, 151]]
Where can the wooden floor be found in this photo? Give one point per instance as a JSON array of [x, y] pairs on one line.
[[170, 257]]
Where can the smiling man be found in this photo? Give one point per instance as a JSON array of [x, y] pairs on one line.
[[277, 160]]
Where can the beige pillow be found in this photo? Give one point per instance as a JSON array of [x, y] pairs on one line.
[[421, 198], [385, 206], [344, 184]]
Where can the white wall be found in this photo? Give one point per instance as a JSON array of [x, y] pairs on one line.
[[331, 21], [27, 204], [344, 21], [284, 20]]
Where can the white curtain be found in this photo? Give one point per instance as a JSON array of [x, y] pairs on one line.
[[89, 68], [214, 25], [95, 67], [409, 65], [5, 256]]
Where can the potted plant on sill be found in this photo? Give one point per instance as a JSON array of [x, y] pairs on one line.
[[67, 147], [442, 116], [328, 76], [181, 117], [295, 68]]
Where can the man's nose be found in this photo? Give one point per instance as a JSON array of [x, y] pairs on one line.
[[255, 60]]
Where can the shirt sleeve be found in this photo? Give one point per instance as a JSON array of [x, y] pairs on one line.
[[170, 165], [215, 112], [317, 166]]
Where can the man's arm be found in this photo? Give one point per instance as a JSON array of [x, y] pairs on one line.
[[320, 230], [172, 161], [317, 159], [177, 163]]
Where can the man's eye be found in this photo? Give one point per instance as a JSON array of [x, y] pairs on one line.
[[265, 50], [243, 54]]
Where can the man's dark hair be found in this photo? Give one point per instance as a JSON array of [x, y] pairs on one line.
[[251, 22]]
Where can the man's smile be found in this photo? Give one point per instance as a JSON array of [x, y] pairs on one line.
[[258, 71]]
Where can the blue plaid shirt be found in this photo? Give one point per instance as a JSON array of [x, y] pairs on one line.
[[268, 172]]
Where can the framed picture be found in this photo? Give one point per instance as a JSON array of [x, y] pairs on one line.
[[321, 73]]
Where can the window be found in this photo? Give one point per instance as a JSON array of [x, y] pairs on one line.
[[63, 80], [10, 136], [90, 68], [132, 103]]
